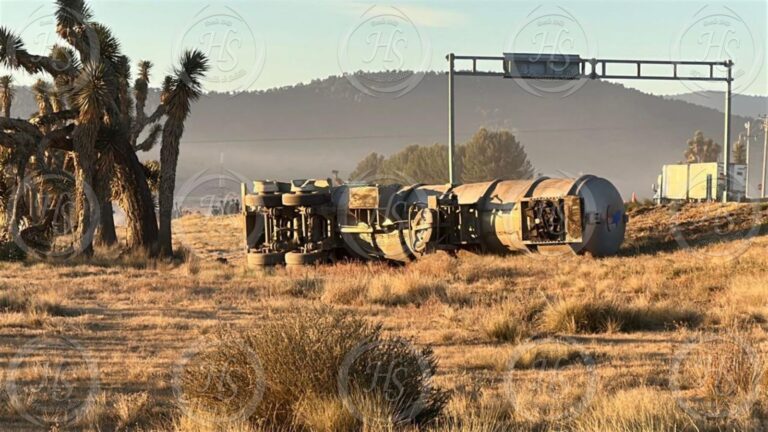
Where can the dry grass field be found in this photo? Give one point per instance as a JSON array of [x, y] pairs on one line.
[[668, 336]]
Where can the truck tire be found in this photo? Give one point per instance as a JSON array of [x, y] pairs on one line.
[[302, 259], [305, 199], [268, 200], [264, 259]]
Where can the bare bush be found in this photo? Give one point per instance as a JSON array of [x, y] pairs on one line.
[[301, 355]]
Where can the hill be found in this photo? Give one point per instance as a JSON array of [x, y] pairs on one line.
[[308, 130], [742, 105]]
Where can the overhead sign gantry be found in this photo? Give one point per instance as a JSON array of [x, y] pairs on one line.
[[573, 67]]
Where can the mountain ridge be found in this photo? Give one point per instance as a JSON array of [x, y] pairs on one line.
[[309, 129]]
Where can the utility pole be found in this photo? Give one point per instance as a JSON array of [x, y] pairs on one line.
[[765, 153], [727, 133], [451, 123], [749, 138]]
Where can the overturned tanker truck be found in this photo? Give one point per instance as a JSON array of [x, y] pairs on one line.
[[305, 222]]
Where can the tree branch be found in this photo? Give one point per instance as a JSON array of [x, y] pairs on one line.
[[59, 139], [19, 125], [151, 139], [53, 118]]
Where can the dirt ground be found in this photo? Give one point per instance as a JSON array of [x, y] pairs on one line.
[[94, 345]]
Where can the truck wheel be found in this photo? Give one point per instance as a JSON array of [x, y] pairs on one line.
[[268, 200], [305, 199], [300, 258], [264, 259]]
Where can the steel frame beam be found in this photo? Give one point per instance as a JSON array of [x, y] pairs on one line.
[[598, 69]]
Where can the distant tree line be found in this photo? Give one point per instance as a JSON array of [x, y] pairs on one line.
[[702, 149], [486, 156]]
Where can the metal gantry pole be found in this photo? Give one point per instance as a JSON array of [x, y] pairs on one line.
[[749, 141], [727, 135], [451, 122], [545, 70], [765, 154]]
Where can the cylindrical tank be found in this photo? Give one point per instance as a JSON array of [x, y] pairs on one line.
[[399, 223], [597, 202]]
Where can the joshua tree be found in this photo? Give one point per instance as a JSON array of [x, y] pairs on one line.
[[178, 95], [93, 76], [42, 89], [6, 95]]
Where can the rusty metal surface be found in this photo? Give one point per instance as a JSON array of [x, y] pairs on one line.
[[553, 188], [573, 218], [364, 197], [401, 223], [473, 192], [508, 192]]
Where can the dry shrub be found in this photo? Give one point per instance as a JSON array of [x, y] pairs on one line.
[[306, 286], [464, 414], [548, 356], [598, 316], [405, 288], [504, 328], [192, 264], [506, 323], [301, 354], [485, 268], [324, 414], [722, 375], [735, 363], [439, 265], [200, 421], [34, 304], [744, 300], [130, 408], [513, 320], [635, 410], [345, 290]]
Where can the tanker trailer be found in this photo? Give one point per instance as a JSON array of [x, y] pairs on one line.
[[288, 223], [402, 223]]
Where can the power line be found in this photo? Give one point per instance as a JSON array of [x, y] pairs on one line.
[[386, 136]]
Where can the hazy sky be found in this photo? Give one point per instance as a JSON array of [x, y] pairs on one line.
[[265, 44]]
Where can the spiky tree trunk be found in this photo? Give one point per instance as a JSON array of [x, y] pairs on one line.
[[18, 197], [169, 158], [137, 199], [84, 142], [106, 235], [178, 94], [6, 94]]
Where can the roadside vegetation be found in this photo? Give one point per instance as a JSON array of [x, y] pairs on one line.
[[651, 340]]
